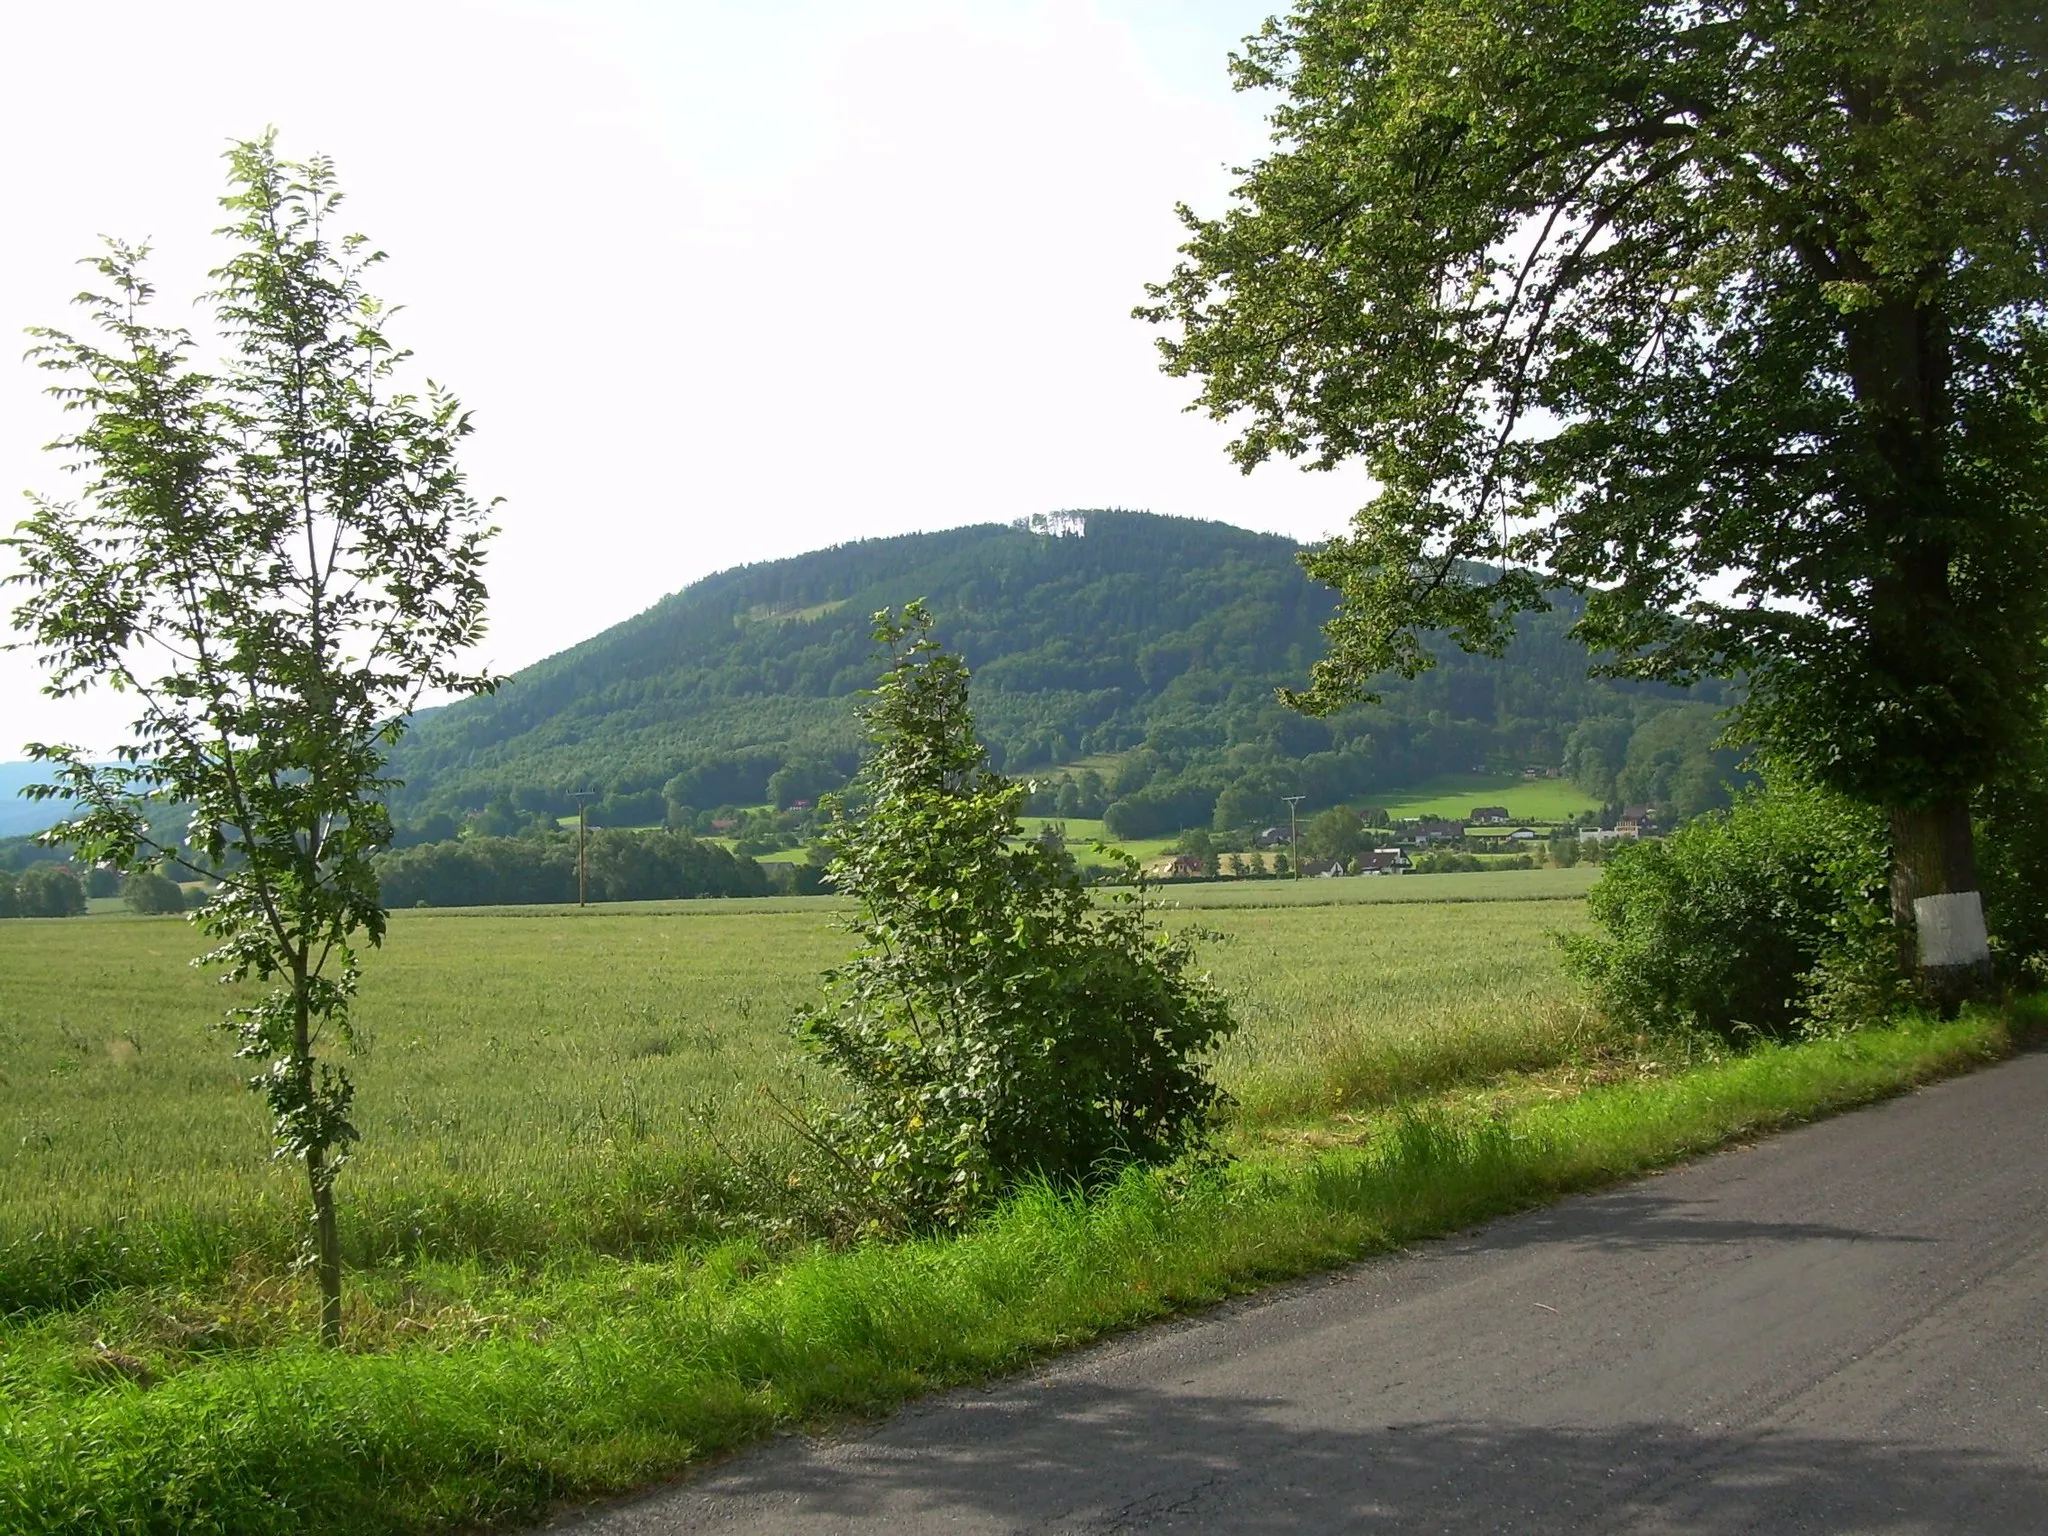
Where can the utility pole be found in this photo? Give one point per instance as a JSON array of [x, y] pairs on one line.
[[583, 797], [1294, 831]]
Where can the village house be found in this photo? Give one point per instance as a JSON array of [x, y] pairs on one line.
[[1433, 829], [1384, 861], [1490, 816]]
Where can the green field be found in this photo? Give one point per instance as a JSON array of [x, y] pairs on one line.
[[1084, 832], [1454, 798], [583, 1254], [1490, 886], [530, 1076]]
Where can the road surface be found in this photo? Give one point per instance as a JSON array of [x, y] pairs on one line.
[[1844, 1328]]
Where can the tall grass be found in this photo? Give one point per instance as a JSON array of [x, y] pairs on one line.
[[548, 1081], [596, 1380]]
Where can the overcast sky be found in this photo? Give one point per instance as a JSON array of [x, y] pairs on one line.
[[722, 280]]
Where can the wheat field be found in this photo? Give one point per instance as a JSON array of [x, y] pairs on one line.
[[612, 1076]]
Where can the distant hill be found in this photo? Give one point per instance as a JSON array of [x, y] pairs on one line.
[[19, 816], [1128, 660]]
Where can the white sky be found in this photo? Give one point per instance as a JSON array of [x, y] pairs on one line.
[[722, 280]]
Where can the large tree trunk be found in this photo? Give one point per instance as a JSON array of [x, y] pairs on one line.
[[1935, 902]]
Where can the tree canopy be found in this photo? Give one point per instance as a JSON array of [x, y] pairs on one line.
[[1729, 314], [995, 1023]]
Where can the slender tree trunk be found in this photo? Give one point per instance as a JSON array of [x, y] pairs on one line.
[[327, 1248], [326, 1234], [1935, 901]]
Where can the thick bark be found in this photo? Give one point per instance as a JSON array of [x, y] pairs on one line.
[[1934, 854], [1900, 356]]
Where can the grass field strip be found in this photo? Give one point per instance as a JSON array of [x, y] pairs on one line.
[[532, 1079], [554, 1294]]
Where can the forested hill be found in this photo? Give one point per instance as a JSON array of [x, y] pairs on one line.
[[1132, 654]]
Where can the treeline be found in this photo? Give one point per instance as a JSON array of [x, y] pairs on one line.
[[522, 871], [461, 872], [1648, 751], [42, 890]]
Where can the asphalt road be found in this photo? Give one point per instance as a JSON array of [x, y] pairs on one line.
[[1844, 1328]]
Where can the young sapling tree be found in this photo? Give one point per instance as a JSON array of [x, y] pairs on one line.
[[276, 559], [997, 1023]]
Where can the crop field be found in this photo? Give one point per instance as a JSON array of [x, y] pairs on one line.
[[1400, 890], [1083, 833], [531, 1078], [583, 1251]]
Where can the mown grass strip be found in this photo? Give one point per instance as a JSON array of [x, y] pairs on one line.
[[417, 1440]]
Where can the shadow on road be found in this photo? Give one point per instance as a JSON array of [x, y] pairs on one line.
[[1112, 1459], [1646, 1218]]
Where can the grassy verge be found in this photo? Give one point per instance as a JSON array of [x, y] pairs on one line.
[[583, 1380]]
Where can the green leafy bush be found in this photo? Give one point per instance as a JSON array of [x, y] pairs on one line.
[[2012, 868], [1749, 921], [997, 1023]]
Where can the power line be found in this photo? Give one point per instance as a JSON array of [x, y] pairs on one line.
[[1294, 831]]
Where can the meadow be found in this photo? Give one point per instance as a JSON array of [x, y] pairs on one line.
[[583, 1252], [1539, 800], [606, 1078]]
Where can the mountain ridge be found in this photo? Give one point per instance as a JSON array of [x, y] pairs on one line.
[[1147, 644]]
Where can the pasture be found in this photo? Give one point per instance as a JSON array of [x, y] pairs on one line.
[[1542, 800], [543, 1079]]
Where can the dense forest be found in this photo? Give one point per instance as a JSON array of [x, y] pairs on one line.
[[1125, 660]]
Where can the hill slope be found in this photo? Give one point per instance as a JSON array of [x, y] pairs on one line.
[[1132, 655], [19, 814]]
